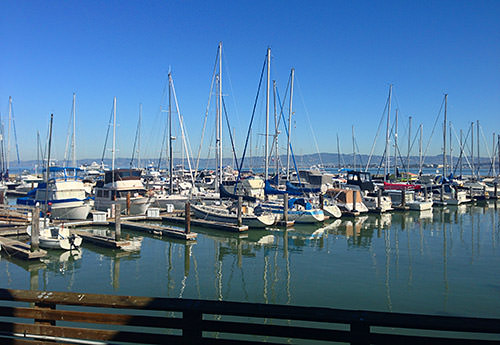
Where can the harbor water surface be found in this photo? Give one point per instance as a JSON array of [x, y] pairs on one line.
[[445, 262]]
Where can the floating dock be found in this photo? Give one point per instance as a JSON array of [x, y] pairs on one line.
[[207, 224], [159, 230], [103, 241], [20, 250]]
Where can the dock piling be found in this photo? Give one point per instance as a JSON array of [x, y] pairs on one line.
[[118, 227], [128, 203], [495, 190], [321, 201], [187, 215], [285, 207], [403, 197], [240, 220], [35, 230], [354, 200], [379, 199], [441, 196]]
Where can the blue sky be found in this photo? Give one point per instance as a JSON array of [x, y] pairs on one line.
[[345, 55]]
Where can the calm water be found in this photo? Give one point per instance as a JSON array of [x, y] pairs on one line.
[[443, 262]]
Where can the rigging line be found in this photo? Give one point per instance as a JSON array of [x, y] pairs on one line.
[[281, 105], [309, 121], [485, 144], [110, 122], [251, 121], [293, 155], [137, 130], [206, 112], [163, 145], [462, 150], [376, 135], [184, 136], [15, 135], [432, 132], [229, 130]]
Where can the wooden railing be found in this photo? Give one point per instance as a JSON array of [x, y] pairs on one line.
[[37, 317]]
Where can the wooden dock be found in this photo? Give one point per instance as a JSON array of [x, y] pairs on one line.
[[13, 231], [159, 230], [207, 224], [103, 241], [20, 250]]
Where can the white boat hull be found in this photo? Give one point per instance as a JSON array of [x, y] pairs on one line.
[[251, 221]]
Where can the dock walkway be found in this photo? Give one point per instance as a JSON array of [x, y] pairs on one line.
[[20, 250], [207, 224], [158, 230]]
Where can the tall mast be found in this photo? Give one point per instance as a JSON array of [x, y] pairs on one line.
[[338, 152], [420, 151], [266, 162], [292, 74], [37, 152], [396, 145], [478, 156], [48, 169], [444, 135], [451, 149], [276, 152], [218, 179], [387, 154], [114, 137], [139, 138], [220, 112], [408, 154], [473, 170], [170, 138], [353, 150], [8, 133], [461, 151], [73, 141]]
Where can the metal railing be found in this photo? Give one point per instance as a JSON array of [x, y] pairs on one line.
[[38, 317]]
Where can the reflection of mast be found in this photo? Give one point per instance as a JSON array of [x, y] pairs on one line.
[[285, 255], [445, 266], [387, 241], [170, 283], [218, 273]]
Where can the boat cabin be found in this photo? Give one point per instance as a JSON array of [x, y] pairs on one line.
[[361, 179], [122, 175]]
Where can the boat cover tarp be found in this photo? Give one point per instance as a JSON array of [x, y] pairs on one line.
[[225, 194], [302, 190], [270, 190]]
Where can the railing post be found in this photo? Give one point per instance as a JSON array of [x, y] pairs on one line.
[[118, 225], [192, 332], [360, 333], [187, 216], [35, 229]]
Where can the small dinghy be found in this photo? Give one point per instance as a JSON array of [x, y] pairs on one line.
[[57, 237]]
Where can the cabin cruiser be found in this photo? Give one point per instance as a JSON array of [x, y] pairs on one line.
[[372, 197], [123, 186], [344, 199], [64, 194]]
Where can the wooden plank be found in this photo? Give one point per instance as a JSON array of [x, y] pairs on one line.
[[91, 317], [207, 224], [159, 229], [24, 341], [102, 241], [91, 334], [20, 250]]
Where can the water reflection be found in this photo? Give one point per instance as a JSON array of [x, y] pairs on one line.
[[438, 261]]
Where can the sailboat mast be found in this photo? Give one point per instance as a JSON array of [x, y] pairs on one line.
[[139, 138], [353, 149], [48, 169], [420, 151], [114, 137], [451, 148], [266, 162], [292, 74], [473, 170], [220, 113], [386, 165], [276, 152], [478, 157], [444, 136], [461, 151], [408, 153], [8, 133], [338, 152], [73, 141], [396, 146], [170, 153]]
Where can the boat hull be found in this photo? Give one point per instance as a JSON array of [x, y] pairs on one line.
[[251, 221]]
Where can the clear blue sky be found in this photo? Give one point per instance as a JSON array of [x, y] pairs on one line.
[[345, 53]]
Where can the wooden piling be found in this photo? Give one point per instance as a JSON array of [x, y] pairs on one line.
[[470, 192], [35, 229], [495, 190], [379, 199], [118, 227], [426, 193], [128, 203], [441, 196], [240, 219], [285, 207], [321, 201], [403, 197], [354, 200], [187, 215]]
